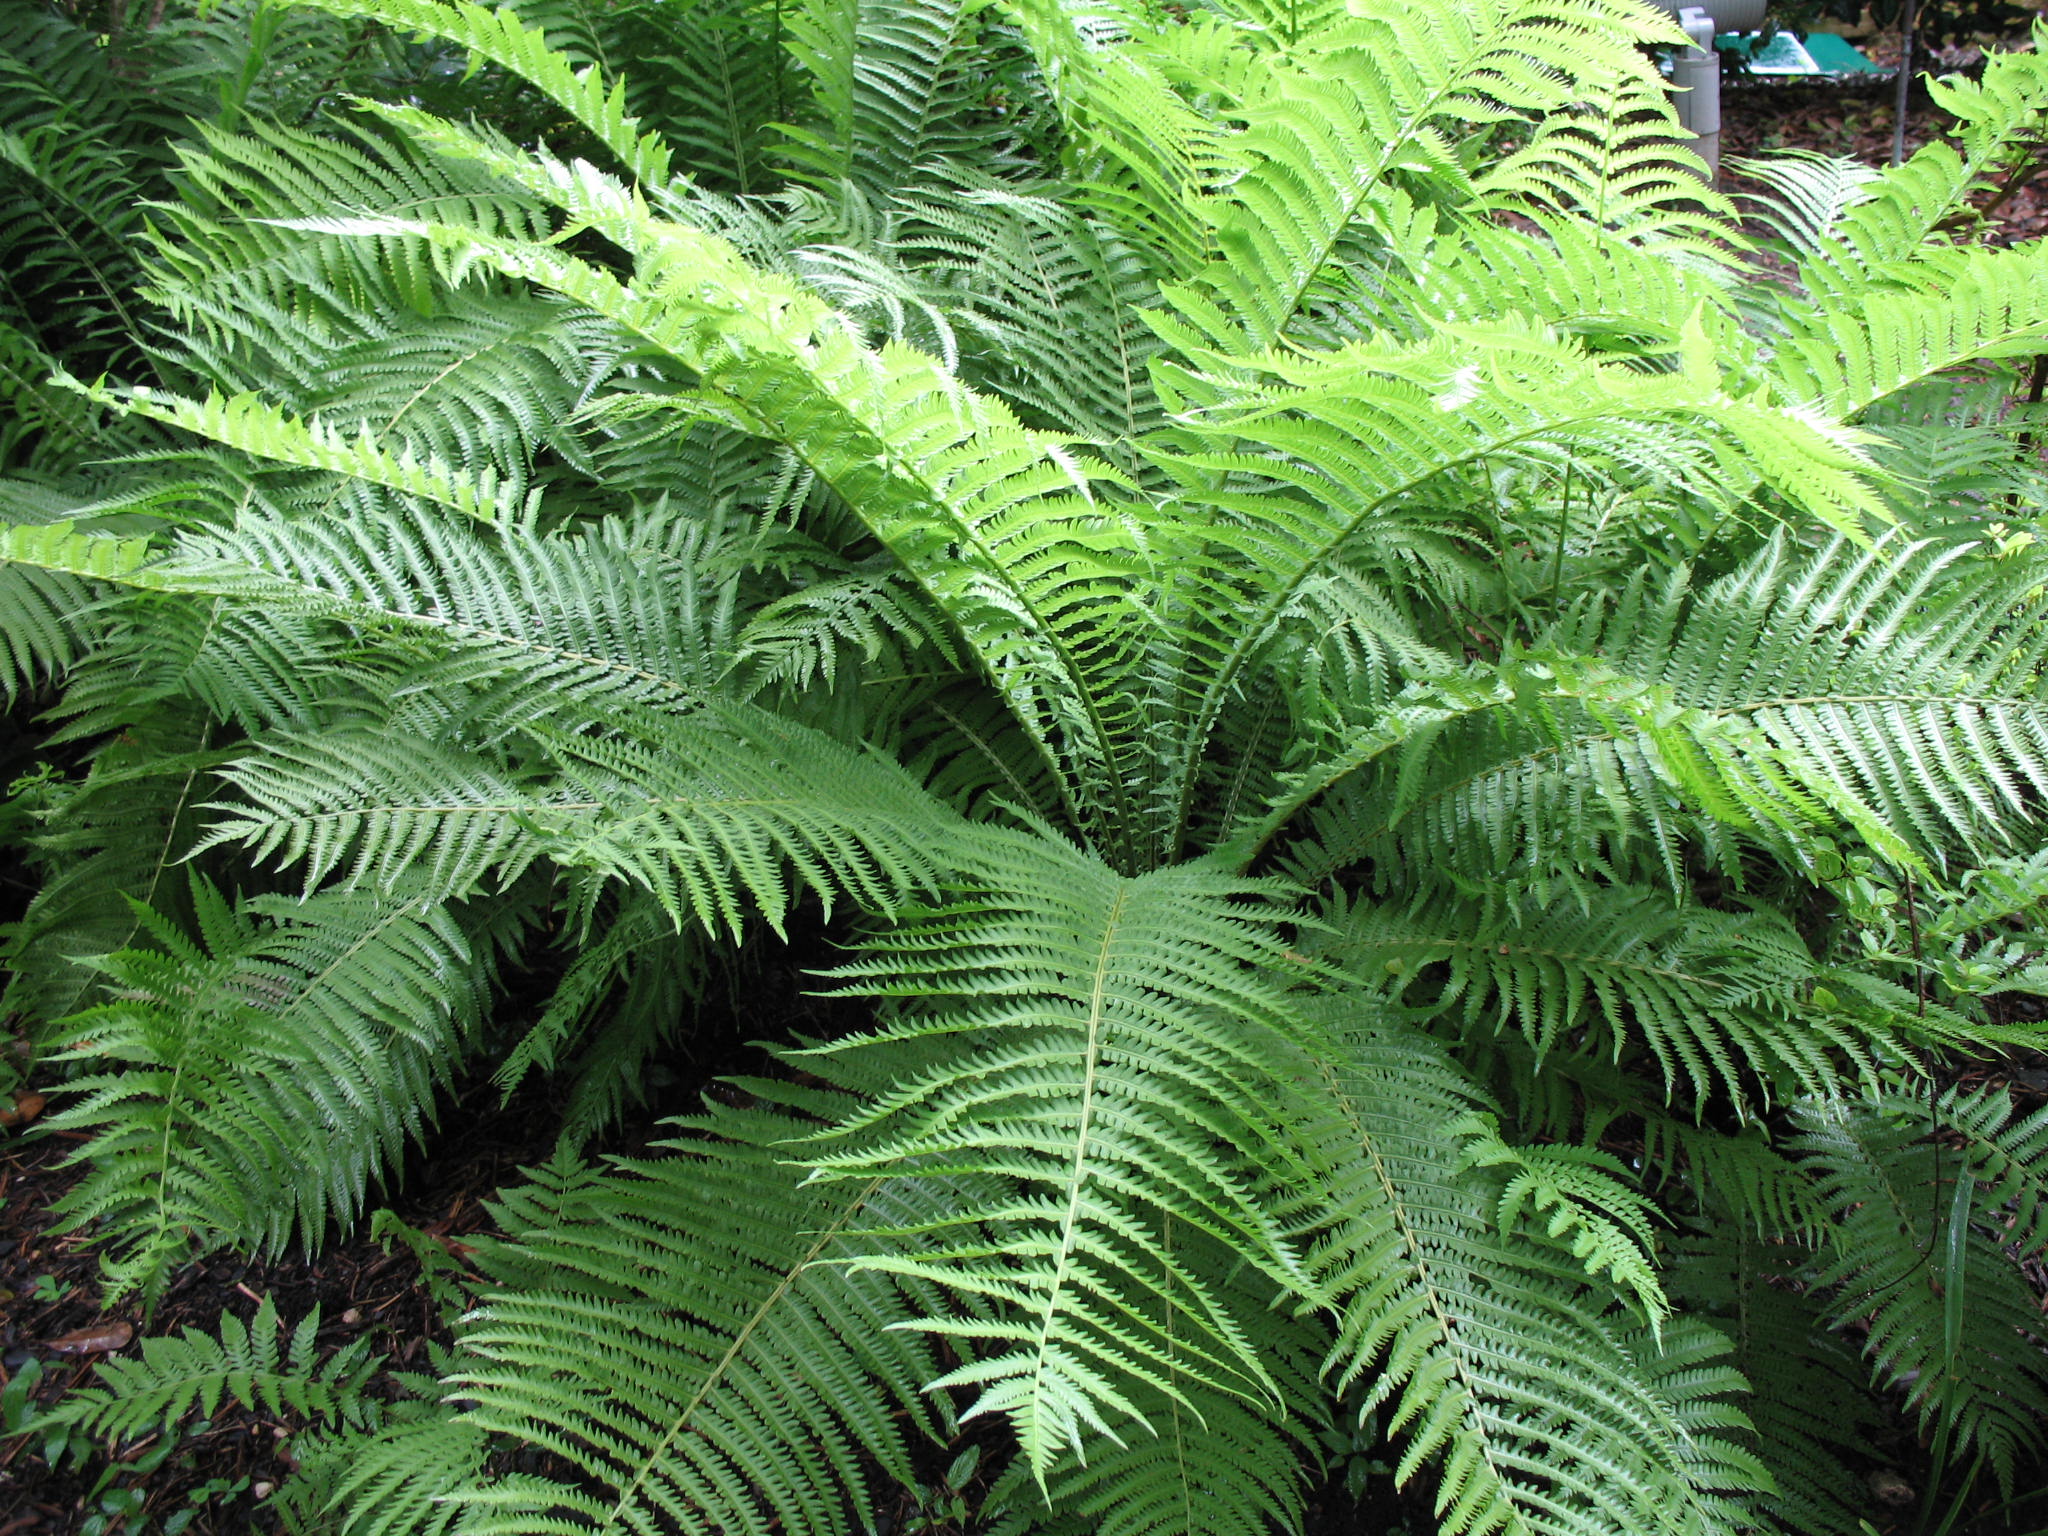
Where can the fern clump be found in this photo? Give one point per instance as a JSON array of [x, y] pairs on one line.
[[1426, 783]]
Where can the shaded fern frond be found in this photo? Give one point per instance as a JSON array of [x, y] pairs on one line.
[[684, 1334], [244, 1365], [1922, 1252], [270, 1069]]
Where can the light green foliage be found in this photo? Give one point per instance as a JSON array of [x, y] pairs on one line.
[[1417, 772]]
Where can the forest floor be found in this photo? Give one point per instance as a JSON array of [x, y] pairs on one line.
[[215, 1478]]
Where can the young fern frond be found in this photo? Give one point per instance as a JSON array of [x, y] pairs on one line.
[[244, 1366], [1619, 163]]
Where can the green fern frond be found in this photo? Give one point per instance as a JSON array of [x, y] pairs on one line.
[[1808, 194], [501, 36], [716, 814], [1115, 1050], [894, 83], [1756, 1290], [754, 1392], [1619, 162], [1233, 1468], [244, 1365], [1846, 355], [1921, 1255], [1377, 98], [1490, 1355], [271, 1068], [1891, 690], [1713, 996]]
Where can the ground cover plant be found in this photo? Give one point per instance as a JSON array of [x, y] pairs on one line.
[[1424, 758]]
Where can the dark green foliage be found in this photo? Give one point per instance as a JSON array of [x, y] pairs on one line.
[[1419, 771]]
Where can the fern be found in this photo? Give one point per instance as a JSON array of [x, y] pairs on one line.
[[1946, 1310], [271, 1073], [1102, 1088], [1337, 661], [750, 1395], [1547, 1415], [194, 1371]]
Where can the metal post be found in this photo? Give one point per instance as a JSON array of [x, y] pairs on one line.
[[1696, 82]]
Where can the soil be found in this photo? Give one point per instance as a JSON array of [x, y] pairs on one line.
[[50, 1283]]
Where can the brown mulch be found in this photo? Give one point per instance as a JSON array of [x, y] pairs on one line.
[[50, 1288]]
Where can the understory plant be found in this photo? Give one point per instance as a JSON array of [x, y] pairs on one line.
[[1424, 749]]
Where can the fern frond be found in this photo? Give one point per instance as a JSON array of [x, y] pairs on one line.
[[1845, 355], [1618, 162], [1376, 97], [501, 36], [1489, 1354], [1233, 1468], [685, 1336], [1921, 1253], [1808, 194], [1892, 689], [1756, 1290], [894, 84], [714, 814], [1000, 524], [271, 1068], [1114, 1053], [1713, 996], [244, 1365]]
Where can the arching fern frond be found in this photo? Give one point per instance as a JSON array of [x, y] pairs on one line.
[[1713, 996], [685, 1335], [1489, 1354], [1116, 1040], [500, 35]]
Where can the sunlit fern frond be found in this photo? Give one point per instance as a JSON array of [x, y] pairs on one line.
[[1808, 193], [1376, 100], [1620, 163]]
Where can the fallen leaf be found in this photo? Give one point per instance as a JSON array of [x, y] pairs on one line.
[[98, 1339], [23, 1108]]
